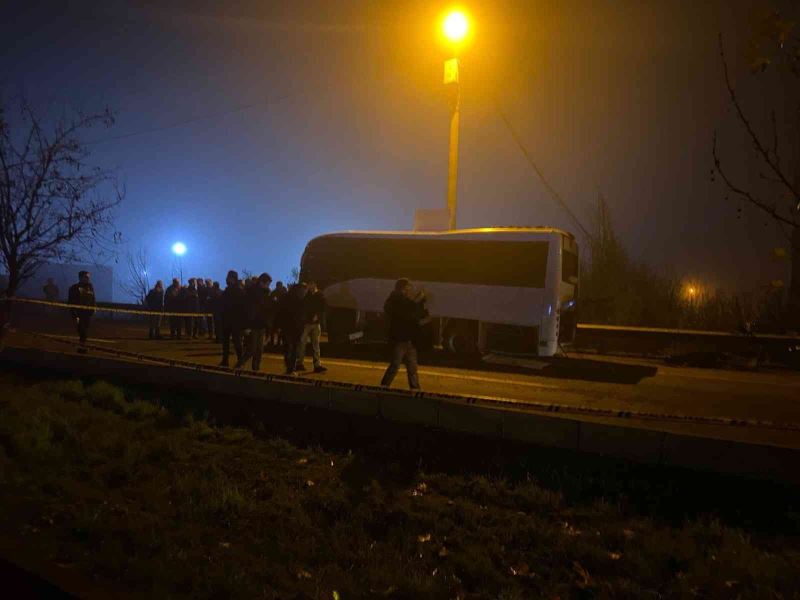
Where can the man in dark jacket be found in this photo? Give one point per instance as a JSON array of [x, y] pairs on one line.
[[190, 305], [277, 295], [259, 308], [172, 303], [155, 302], [208, 307], [232, 307], [290, 320], [202, 297], [313, 313], [82, 294], [403, 312], [212, 306]]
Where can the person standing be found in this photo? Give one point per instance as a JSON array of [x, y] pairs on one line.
[[403, 312], [210, 299], [313, 313], [276, 334], [232, 305], [190, 307], [202, 299], [51, 291], [290, 320], [82, 294], [172, 303], [259, 312], [155, 302]]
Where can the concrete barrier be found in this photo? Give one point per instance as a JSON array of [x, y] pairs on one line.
[[541, 430], [641, 445], [489, 419]]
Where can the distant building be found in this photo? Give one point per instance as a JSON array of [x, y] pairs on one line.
[[64, 276]]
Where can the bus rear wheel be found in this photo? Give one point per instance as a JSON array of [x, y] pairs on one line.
[[461, 338]]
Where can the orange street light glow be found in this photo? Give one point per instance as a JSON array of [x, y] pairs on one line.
[[455, 26]]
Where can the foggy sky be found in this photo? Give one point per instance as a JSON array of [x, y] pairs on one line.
[[350, 127]]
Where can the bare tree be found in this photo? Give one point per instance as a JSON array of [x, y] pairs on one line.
[[52, 202], [137, 282], [777, 48]]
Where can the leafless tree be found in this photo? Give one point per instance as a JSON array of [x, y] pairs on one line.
[[136, 283], [776, 46], [53, 204]]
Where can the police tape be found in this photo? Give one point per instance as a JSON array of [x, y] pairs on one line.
[[130, 311], [529, 405]]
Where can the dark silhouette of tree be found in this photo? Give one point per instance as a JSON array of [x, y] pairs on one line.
[[53, 204], [137, 281], [774, 48]]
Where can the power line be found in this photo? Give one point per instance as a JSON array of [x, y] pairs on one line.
[[539, 173], [189, 121]]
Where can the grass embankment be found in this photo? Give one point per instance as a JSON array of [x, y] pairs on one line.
[[120, 489]]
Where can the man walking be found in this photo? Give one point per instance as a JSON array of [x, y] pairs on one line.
[[259, 311], [232, 307], [313, 311], [172, 303], [155, 303], [82, 294], [403, 313]]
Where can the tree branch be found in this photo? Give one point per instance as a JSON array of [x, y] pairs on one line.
[[770, 210], [774, 165]]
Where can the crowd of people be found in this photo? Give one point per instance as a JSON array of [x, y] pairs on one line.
[[247, 314], [251, 316]]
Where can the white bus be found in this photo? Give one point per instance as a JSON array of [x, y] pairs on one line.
[[510, 289]]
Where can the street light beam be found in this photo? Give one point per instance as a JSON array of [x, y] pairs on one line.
[[179, 248]]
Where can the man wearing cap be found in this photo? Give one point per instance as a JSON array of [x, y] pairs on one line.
[[82, 294]]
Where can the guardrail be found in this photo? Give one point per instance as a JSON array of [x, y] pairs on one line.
[[760, 347]]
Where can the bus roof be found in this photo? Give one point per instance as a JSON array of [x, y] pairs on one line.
[[455, 232]]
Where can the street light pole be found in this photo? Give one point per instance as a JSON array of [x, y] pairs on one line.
[[455, 28], [452, 162]]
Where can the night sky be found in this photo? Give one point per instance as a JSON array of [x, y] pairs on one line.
[[347, 125]]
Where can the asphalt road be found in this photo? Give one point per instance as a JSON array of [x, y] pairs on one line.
[[620, 384]]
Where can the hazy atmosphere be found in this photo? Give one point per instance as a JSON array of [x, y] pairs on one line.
[[247, 128]]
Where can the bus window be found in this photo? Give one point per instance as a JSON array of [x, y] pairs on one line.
[[485, 262]]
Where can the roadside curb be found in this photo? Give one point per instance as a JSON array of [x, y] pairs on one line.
[[444, 411]]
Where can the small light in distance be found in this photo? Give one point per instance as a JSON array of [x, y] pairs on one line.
[[179, 248], [455, 26]]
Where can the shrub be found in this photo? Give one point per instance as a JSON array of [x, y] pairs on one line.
[[68, 389], [105, 395]]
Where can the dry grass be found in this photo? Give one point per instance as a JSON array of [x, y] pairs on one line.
[[122, 490]]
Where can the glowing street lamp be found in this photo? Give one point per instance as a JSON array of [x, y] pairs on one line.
[[455, 28], [178, 249]]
